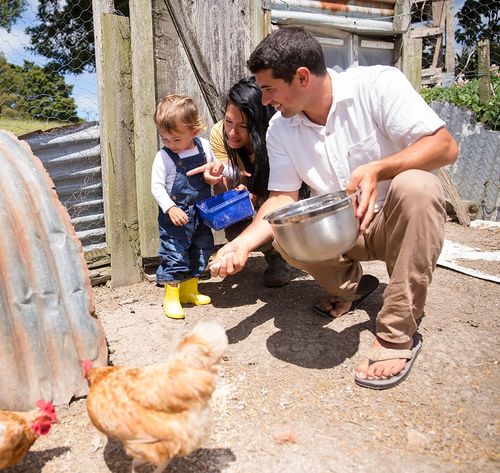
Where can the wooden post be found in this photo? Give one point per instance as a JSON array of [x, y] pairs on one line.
[[412, 62], [449, 56], [483, 69], [401, 22], [99, 7], [260, 12], [122, 225], [145, 136], [449, 187]]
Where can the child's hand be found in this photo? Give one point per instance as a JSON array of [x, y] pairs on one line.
[[178, 216]]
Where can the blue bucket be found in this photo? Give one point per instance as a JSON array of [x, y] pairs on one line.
[[223, 210]]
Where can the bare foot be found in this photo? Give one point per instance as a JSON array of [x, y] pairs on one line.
[[337, 309], [383, 369]]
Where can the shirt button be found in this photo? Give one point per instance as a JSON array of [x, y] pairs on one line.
[[328, 133]]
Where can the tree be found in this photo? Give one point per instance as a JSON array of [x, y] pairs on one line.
[[31, 91], [10, 11], [65, 34], [477, 20]]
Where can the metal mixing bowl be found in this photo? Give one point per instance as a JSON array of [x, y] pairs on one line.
[[316, 229]]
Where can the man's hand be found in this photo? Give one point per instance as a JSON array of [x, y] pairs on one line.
[[230, 259], [178, 216], [212, 172], [365, 179]]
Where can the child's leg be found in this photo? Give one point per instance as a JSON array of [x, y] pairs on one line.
[[171, 301], [200, 251]]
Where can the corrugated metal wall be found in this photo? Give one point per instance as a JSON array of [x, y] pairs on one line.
[[373, 16], [72, 157], [476, 173], [47, 322], [351, 33]]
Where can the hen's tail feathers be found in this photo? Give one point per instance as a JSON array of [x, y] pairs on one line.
[[204, 345]]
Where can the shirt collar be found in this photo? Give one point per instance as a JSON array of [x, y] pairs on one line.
[[342, 90]]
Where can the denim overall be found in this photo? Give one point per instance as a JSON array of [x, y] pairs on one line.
[[185, 250]]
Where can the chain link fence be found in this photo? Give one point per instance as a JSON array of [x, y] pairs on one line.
[[47, 67]]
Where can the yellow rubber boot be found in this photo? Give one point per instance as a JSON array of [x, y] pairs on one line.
[[189, 293], [171, 305]]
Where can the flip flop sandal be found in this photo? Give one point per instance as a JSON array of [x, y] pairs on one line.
[[390, 354], [367, 284]]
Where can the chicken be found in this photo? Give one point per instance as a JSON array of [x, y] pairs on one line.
[[19, 430], [159, 411]]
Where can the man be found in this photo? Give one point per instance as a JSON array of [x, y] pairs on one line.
[[364, 129]]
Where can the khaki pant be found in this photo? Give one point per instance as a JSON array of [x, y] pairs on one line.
[[407, 233]]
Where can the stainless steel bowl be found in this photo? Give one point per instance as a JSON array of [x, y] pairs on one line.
[[316, 229]]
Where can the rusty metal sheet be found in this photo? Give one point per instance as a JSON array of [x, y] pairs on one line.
[[47, 320], [72, 156]]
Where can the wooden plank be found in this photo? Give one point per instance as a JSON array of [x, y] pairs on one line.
[[260, 23], [425, 31], [449, 187], [99, 7], [412, 62], [401, 22], [122, 225], [483, 69], [449, 57], [145, 135], [438, 16]]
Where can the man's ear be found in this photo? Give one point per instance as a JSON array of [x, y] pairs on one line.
[[303, 76]]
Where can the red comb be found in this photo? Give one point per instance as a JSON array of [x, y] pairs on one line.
[[87, 366], [47, 408]]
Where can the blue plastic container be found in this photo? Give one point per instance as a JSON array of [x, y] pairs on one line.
[[223, 210]]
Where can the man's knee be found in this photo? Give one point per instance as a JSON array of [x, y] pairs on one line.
[[418, 189]]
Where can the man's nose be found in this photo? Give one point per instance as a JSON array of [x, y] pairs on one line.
[[266, 98]]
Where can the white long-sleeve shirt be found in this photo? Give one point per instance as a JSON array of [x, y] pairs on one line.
[[164, 171]]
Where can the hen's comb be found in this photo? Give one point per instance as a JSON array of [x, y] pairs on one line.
[[47, 408], [87, 366]]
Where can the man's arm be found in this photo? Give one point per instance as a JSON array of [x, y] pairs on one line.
[[428, 153], [232, 257]]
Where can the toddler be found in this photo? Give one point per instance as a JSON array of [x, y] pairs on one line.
[[185, 242]]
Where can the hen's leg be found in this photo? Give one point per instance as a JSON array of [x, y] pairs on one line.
[[136, 463], [161, 467]]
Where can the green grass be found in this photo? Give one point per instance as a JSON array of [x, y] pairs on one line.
[[20, 127]]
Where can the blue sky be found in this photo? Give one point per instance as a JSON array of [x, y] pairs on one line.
[[12, 47]]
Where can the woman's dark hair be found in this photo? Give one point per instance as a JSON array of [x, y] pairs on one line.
[[247, 97], [285, 50]]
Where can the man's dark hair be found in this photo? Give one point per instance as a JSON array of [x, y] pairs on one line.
[[284, 51]]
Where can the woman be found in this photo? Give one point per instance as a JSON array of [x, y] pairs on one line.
[[240, 140]]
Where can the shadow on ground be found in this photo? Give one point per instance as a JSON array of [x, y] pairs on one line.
[[34, 462], [203, 460], [304, 338]]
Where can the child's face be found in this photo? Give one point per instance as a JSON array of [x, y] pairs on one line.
[[178, 140]]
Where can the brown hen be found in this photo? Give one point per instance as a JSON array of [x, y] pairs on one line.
[[160, 411], [19, 430]]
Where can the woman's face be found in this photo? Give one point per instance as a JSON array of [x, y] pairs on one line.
[[236, 128]]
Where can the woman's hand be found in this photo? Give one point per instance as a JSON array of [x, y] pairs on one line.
[[178, 216], [212, 172]]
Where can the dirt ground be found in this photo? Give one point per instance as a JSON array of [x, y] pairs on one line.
[[286, 400]]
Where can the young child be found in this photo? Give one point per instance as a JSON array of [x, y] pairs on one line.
[[185, 242]]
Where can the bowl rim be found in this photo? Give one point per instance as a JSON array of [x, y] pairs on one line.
[[311, 207]]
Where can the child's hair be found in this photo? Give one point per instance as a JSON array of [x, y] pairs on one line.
[[175, 111]]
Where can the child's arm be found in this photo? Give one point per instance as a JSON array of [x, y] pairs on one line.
[[162, 178]]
